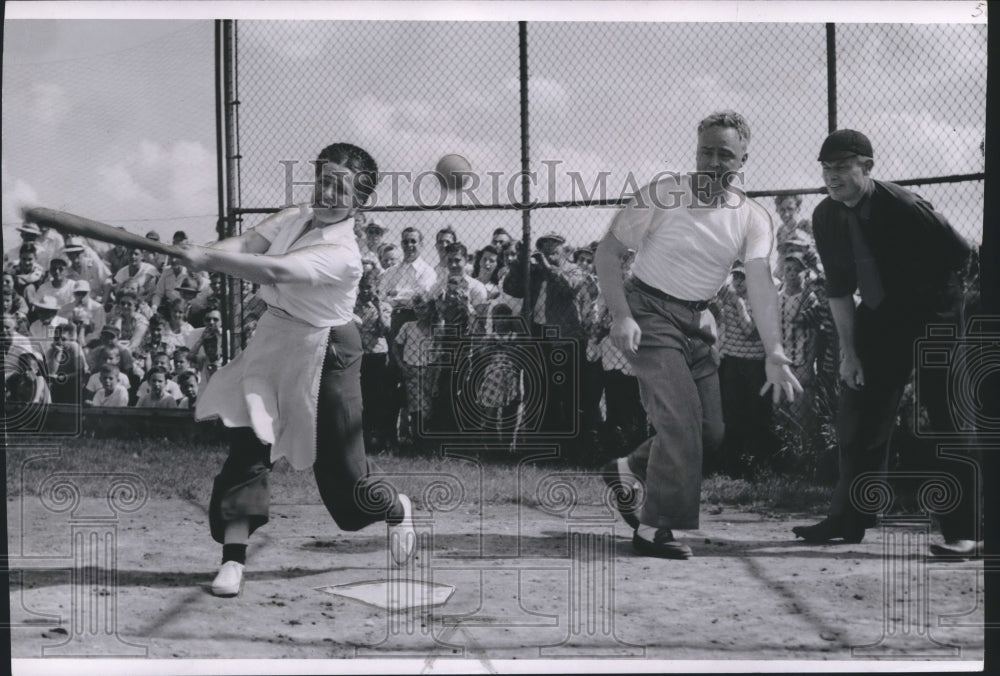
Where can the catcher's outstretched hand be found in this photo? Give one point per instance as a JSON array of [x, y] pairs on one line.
[[780, 379]]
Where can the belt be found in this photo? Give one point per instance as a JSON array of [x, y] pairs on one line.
[[697, 305]]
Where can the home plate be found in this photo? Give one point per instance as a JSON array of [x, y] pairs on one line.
[[394, 594]]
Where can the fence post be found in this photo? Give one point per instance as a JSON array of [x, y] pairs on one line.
[[522, 40], [831, 77]]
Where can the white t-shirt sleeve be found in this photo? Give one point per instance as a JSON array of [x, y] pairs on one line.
[[632, 222], [760, 234], [325, 263]]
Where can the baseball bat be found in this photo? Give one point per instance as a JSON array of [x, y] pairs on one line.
[[78, 225]]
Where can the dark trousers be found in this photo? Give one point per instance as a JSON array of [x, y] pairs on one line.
[[624, 407], [395, 387], [376, 394], [343, 473], [591, 388], [886, 342], [747, 416], [677, 367]]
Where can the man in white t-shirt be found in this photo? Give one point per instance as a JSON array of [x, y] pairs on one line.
[[687, 230]]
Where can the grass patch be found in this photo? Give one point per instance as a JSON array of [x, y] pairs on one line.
[[185, 471]]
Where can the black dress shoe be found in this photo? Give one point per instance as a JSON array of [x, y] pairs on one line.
[[830, 529], [663, 546], [956, 549], [625, 495]]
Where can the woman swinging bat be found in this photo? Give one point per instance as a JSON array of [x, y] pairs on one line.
[[303, 361]]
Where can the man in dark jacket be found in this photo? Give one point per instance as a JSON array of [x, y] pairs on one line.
[[905, 260], [555, 321]]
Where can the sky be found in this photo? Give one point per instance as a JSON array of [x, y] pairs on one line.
[[114, 119]]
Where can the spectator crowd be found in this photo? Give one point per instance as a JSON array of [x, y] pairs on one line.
[[93, 325], [448, 350]]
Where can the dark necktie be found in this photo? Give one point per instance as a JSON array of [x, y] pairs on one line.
[[869, 281]]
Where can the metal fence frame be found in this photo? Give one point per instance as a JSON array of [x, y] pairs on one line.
[[232, 211]]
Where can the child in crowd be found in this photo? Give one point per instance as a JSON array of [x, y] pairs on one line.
[[188, 382], [749, 441], [181, 362], [412, 351], [800, 316], [161, 360], [498, 390], [112, 393], [106, 355], [156, 396], [376, 317]]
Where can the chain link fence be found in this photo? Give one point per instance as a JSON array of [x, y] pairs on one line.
[[608, 107]]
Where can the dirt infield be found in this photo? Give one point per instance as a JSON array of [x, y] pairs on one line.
[[93, 577]]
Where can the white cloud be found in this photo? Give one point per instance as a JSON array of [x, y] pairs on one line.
[[162, 181], [16, 193]]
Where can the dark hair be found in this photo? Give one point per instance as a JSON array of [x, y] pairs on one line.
[[28, 247], [501, 231], [446, 230], [412, 229], [182, 350], [109, 369], [457, 247], [489, 248], [159, 354], [358, 160], [153, 371], [781, 198], [370, 277], [187, 375]]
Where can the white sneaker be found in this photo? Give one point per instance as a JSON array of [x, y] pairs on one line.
[[402, 537], [229, 581]]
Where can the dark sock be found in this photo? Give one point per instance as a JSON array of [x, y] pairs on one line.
[[237, 553]]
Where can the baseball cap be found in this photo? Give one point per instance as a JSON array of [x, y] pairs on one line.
[[550, 236], [82, 286], [154, 235], [375, 225], [180, 236], [845, 143]]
